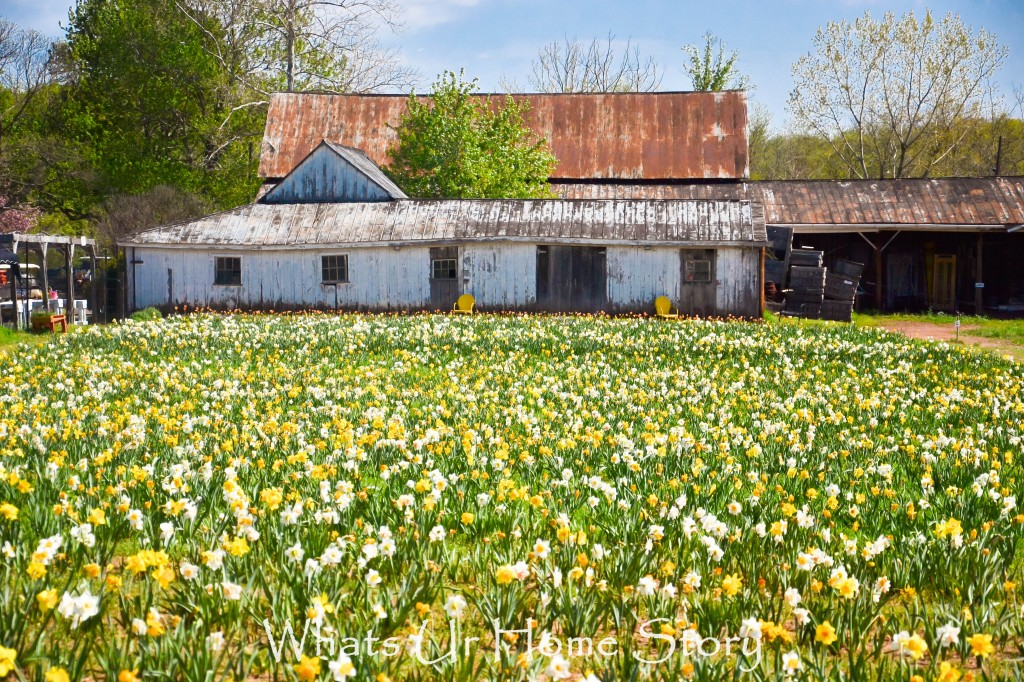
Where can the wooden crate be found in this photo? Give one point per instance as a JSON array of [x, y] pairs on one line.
[[803, 277], [774, 271], [848, 269], [840, 311], [806, 258], [841, 288]]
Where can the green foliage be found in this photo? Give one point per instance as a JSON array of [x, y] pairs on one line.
[[459, 145], [146, 315], [711, 69], [153, 106]]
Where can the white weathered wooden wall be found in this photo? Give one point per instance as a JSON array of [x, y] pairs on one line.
[[324, 176], [380, 278], [502, 276], [637, 276], [738, 272]]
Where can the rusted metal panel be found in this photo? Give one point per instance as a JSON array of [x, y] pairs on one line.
[[956, 203], [677, 135], [596, 222]]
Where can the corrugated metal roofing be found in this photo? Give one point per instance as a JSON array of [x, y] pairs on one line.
[[697, 223], [665, 135], [903, 204]]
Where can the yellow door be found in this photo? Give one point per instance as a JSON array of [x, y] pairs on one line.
[[943, 294]]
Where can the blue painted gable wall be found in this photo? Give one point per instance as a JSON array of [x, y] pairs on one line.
[[324, 176]]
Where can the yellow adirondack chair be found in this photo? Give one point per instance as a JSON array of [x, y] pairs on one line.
[[465, 304], [663, 307]]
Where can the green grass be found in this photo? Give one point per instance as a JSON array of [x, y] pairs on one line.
[[10, 338], [1007, 330]]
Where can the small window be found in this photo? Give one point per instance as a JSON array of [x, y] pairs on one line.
[[444, 268], [334, 269], [228, 271], [698, 271]]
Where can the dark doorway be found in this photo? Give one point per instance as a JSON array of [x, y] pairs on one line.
[[445, 276], [572, 279], [697, 282]]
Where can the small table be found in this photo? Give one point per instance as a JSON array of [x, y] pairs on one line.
[[53, 321]]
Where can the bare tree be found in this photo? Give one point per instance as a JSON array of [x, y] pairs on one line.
[[24, 70], [123, 214], [572, 66], [295, 45], [894, 97]]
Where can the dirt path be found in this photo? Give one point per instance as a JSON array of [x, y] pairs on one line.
[[946, 332]]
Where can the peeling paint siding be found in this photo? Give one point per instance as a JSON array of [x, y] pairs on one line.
[[637, 276], [380, 278], [501, 276], [325, 176], [738, 290]]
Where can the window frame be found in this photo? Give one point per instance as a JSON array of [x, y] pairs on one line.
[[707, 278], [453, 269], [218, 270], [323, 269]]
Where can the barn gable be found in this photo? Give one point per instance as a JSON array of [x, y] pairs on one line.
[[333, 173]]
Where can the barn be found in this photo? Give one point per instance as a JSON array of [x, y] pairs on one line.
[[332, 231], [952, 244], [337, 233]]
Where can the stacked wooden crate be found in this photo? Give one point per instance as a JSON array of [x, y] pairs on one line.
[[814, 291], [841, 290], [806, 283]]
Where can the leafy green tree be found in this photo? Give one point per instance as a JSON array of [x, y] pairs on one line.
[[153, 107], [457, 144], [895, 97], [712, 69]]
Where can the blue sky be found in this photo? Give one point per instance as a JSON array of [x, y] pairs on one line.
[[496, 39]]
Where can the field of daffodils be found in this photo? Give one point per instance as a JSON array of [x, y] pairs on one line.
[[328, 497]]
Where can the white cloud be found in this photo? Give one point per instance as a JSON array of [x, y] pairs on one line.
[[421, 14]]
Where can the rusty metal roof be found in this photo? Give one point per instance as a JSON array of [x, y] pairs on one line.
[[258, 226], [659, 136], [936, 204]]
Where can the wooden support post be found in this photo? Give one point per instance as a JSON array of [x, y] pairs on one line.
[[94, 285], [878, 275], [46, 278], [14, 288], [69, 303], [761, 301], [979, 275]]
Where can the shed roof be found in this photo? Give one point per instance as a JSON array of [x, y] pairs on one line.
[[664, 135], [972, 204], [299, 226]]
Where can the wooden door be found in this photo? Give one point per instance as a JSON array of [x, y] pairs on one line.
[[445, 277], [944, 283], [697, 282], [572, 278]]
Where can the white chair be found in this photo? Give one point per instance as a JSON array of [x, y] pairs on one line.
[[81, 315]]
